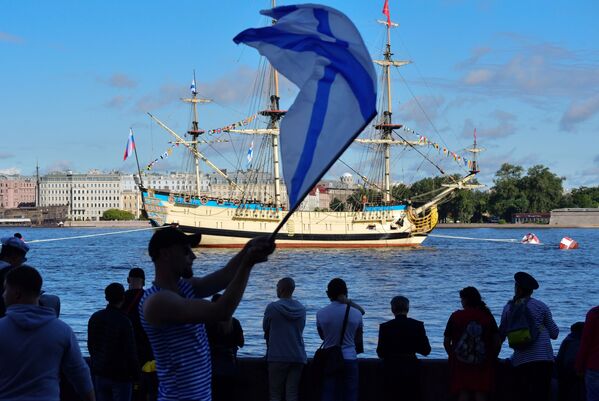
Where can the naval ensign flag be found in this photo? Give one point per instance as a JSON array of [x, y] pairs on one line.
[[320, 50]]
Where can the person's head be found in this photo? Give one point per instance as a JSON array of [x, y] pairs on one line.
[[115, 294], [336, 288], [13, 250], [400, 305], [171, 248], [524, 285], [136, 278], [577, 328], [285, 287], [22, 285], [470, 297]]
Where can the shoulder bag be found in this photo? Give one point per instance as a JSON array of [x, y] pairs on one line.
[[329, 361]]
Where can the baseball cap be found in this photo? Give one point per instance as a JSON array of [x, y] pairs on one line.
[[15, 242], [166, 237]]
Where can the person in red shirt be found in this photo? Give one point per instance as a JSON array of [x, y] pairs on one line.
[[473, 376], [587, 359]]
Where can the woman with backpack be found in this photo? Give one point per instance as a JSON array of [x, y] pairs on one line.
[[472, 345], [528, 325]]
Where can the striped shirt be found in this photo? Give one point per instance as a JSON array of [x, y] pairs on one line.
[[540, 349], [182, 354]]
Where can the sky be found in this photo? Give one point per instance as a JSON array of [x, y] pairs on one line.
[[75, 76]]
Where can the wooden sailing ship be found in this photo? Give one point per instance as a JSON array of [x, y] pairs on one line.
[[255, 208]]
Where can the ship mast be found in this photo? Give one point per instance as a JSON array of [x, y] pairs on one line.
[[275, 114], [386, 126], [195, 131]]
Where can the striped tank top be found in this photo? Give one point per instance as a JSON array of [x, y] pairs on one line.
[[182, 354]]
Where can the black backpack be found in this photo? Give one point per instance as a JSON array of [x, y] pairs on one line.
[[471, 348]]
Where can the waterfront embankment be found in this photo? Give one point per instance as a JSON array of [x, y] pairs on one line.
[[252, 382], [108, 224], [434, 381]]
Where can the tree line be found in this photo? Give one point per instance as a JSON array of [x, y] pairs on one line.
[[537, 190]]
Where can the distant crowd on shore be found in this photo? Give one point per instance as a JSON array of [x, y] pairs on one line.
[[169, 342]]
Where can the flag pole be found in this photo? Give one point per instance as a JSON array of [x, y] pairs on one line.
[[141, 181]]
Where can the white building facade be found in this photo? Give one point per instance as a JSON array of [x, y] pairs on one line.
[[87, 196]]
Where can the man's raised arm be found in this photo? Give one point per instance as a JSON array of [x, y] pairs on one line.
[[220, 279], [167, 307]]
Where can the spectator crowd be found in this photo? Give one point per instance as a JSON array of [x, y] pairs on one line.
[[178, 339]]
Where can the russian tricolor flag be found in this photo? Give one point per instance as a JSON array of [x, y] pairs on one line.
[[130, 145]]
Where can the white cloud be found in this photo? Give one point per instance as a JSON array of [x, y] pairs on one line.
[[165, 95], [7, 37], [480, 76], [117, 102], [59, 165], [536, 69], [121, 81], [234, 87], [578, 112], [10, 171], [421, 110]]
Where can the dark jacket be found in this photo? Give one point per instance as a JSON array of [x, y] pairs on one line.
[[402, 338], [4, 269], [111, 345], [225, 339], [131, 309]]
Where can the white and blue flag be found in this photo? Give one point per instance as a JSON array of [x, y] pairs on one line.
[[250, 154], [192, 87], [320, 50]]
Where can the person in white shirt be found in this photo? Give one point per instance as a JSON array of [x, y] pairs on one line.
[[329, 322]]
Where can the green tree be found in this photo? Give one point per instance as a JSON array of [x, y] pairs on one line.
[[117, 214], [337, 205], [542, 188], [581, 197], [400, 192], [423, 190], [480, 200], [506, 198], [461, 206], [355, 200]]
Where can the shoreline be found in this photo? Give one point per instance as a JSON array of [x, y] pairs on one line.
[[440, 226]]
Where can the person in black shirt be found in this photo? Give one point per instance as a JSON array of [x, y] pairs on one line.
[[147, 388], [400, 340], [12, 255], [225, 339], [112, 350]]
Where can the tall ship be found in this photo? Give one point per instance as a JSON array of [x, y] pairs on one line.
[[252, 200]]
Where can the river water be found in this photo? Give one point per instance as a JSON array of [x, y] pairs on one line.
[[430, 276]]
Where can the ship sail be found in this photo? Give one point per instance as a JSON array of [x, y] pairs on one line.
[[255, 201]]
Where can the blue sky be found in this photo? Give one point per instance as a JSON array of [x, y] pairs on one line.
[[74, 76]]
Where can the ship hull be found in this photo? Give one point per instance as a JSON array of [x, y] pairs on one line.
[[226, 224]]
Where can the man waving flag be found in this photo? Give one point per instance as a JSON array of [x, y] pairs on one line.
[[320, 50]]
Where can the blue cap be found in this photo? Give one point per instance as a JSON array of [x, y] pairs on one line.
[[15, 242]]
